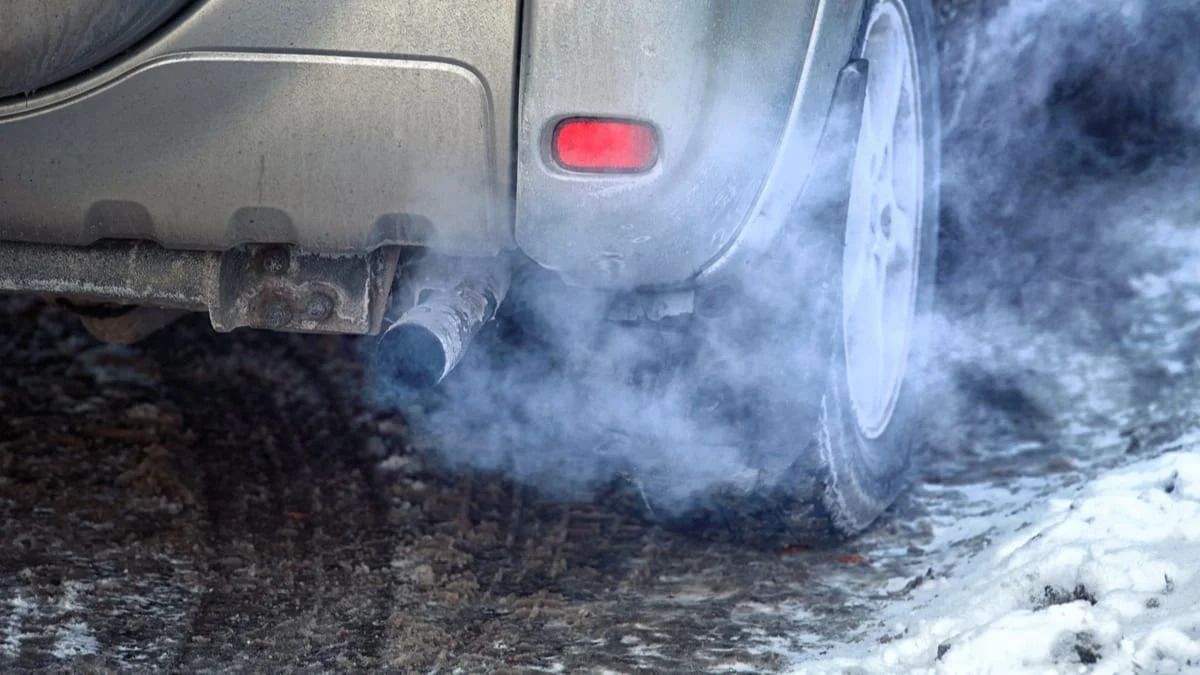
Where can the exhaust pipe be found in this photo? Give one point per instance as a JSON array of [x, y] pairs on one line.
[[448, 300]]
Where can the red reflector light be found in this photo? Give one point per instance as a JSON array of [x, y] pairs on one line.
[[583, 144]]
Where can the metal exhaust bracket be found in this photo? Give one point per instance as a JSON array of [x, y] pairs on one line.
[[258, 286]]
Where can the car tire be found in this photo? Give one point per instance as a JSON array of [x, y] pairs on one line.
[[824, 472]]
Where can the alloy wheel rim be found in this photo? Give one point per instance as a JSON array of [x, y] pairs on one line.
[[882, 247]]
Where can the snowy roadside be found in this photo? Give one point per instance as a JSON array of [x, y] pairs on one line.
[[1102, 575]]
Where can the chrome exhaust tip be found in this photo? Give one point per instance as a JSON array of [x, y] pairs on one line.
[[447, 301]]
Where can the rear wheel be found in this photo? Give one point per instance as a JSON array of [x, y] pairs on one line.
[[870, 408], [846, 409]]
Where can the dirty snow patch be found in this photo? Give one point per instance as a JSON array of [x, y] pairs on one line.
[[11, 635], [1102, 577], [74, 638]]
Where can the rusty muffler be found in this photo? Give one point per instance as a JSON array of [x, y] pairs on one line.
[[440, 303]]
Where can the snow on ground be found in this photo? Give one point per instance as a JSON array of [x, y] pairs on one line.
[[1102, 576]]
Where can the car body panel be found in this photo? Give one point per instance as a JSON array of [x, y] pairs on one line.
[[795, 171], [333, 126], [719, 80]]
